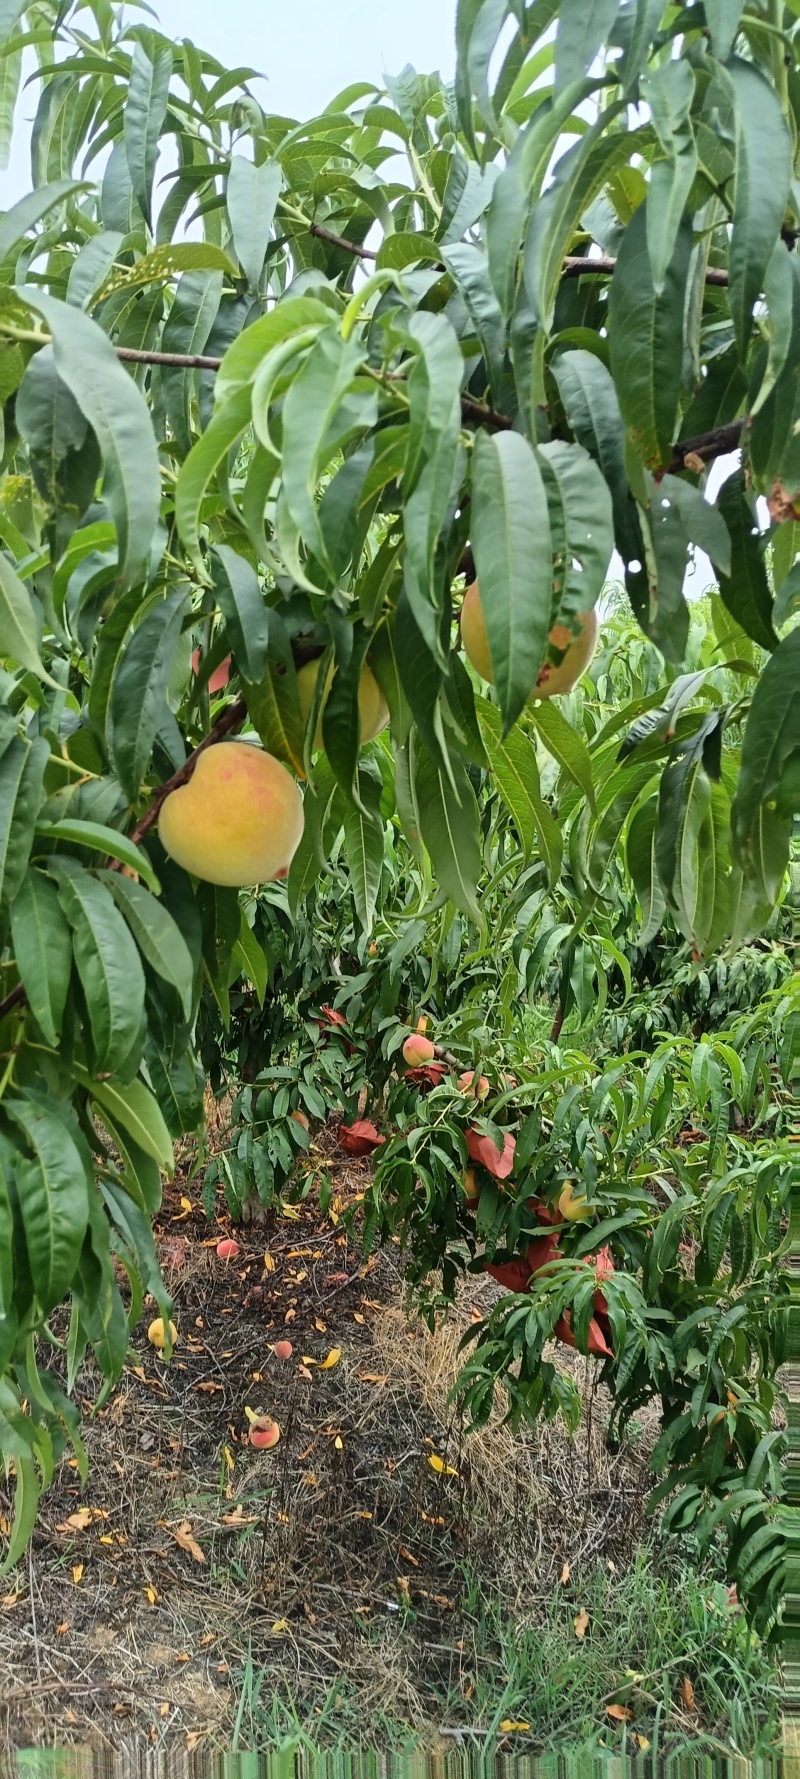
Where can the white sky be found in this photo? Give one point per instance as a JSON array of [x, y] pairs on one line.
[[310, 49]]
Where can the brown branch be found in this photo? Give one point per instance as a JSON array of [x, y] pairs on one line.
[[182, 361], [333, 240], [16, 998], [231, 719], [557, 1024], [576, 265], [471, 410], [707, 445]]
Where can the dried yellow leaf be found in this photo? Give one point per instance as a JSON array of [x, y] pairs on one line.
[[269, 1264], [620, 1713], [581, 1624], [510, 1727], [77, 1573], [182, 1535], [280, 1626], [565, 1575], [151, 1596], [333, 1358]]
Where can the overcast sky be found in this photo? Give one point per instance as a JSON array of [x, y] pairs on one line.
[[310, 49]]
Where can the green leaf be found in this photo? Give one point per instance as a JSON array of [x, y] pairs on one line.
[[165, 262], [470, 269], [722, 18], [53, 1196], [26, 1504], [315, 417], [273, 702], [10, 75], [583, 28], [363, 850], [133, 1107], [157, 935], [100, 839], [118, 414], [29, 210], [745, 590], [448, 818], [251, 195], [581, 528], [107, 962], [770, 748], [761, 188], [565, 745], [646, 336], [225, 431], [10, 13], [43, 949], [138, 691], [6, 1251], [243, 359], [22, 769], [186, 330], [579, 175], [241, 602], [590, 401], [19, 639], [513, 762], [251, 959], [143, 118], [511, 543], [640, 852]]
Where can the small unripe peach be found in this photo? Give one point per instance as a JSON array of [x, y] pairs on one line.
[[264, 1433], [468, 1084], [156, 1334], [227, 1249], [300, 1118], [373, 949], [418, 1050], [572, 1207], [283, 1349], [471, 1187]]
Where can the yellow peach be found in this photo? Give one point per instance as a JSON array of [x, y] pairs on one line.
[[553, 679], [239, 819], [372, 707]]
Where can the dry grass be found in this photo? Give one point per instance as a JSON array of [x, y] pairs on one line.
[[343, 1553]]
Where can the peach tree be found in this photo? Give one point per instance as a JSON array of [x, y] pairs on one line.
[[277, 398]]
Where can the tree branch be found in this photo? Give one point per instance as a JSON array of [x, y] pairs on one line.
[[706, 446], [322, 234], [15, 999], [577, 265], [183, 361]]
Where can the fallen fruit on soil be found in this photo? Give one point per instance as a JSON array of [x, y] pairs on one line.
[[468, 1084], [264, 1433], [553, 678], [283, 1349], [573, 1206], [372, 707], [238, 821], [227, 1249], [417, 1050], [157, 1336]]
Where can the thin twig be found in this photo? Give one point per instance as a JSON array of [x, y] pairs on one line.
[[186, 361], [15, 999], [576, 266], [333, 240]]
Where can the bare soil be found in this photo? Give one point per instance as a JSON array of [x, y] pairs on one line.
[[343, 1552]]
